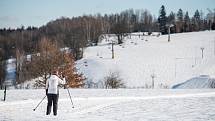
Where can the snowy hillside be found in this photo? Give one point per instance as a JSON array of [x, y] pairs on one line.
[[111, 105], [137, 59]]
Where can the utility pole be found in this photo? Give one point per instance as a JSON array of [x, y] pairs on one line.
[[112, 50], [153, 81], [202, 48], [168, 34], [175, 66], [214, 46], [169, 26]]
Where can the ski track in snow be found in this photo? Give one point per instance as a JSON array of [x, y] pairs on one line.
[[178, 107]]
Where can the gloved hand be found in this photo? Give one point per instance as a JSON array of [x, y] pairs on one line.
[[46, 91]]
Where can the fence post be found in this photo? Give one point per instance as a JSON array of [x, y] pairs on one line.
[[5, 93]]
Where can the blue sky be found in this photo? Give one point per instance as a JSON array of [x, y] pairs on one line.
[[14, 13]]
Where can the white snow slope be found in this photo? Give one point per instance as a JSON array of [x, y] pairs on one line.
[[136, 59], [112, 105]]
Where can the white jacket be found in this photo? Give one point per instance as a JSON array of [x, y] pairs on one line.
[[52, 84]]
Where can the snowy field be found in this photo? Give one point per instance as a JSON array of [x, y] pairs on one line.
[[112, 105], [137, 60]]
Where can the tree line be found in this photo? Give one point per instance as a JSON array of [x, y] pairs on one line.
[[79, 32], [182, 22]]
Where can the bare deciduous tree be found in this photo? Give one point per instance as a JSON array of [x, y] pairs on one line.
[[48, 59], [51, 58], [68, 70]]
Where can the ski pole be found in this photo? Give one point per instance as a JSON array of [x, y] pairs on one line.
[[39, 103], [70, 98]]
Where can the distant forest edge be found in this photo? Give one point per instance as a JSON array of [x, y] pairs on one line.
[[79, 32], [76, 33]]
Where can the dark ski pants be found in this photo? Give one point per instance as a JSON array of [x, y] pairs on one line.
[[52, 99]]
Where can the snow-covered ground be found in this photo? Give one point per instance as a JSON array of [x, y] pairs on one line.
[[112, 105], [137, 60]]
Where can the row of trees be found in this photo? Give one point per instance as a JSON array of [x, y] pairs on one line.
[[184, 23], [79, 32]]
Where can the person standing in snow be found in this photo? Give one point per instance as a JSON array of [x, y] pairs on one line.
[[52, 91]]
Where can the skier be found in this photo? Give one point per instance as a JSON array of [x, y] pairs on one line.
[[52, 91]]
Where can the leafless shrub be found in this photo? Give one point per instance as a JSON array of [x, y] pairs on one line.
[[113, 81]]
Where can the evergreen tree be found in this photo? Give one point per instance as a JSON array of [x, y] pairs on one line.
[[186, 22], [210, 18], [179, 24], [196, 20], [213, 26], [180, 15], [171, 20], [162, 20]]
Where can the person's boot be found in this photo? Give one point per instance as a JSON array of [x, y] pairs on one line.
[[55, 106], [48, 111], [55, 109], [49, 106]]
